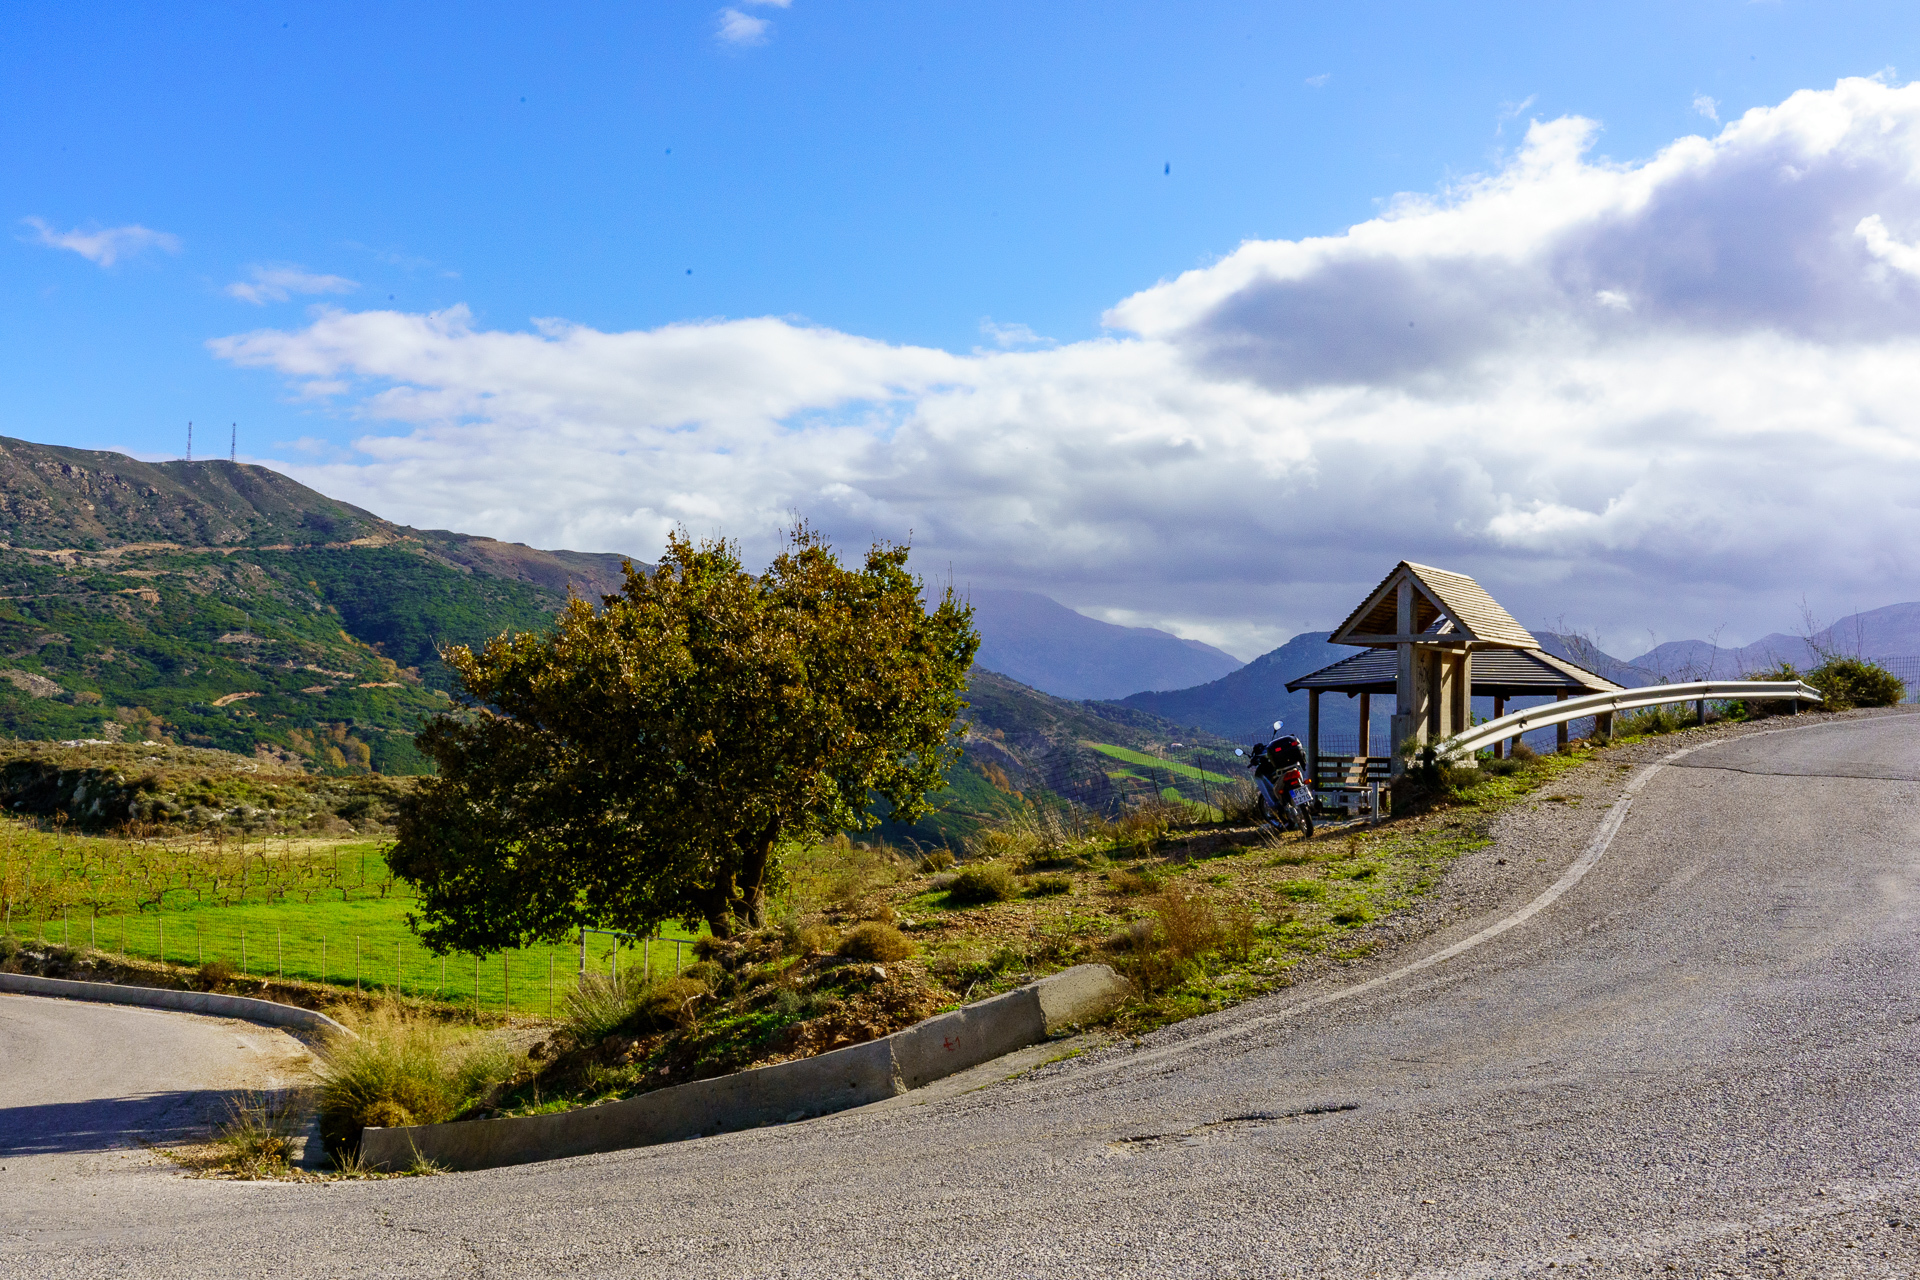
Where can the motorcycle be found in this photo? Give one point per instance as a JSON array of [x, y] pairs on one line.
[[1280, 772]]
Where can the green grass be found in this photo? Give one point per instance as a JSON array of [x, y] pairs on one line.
[[1171, 766], [304, 909]]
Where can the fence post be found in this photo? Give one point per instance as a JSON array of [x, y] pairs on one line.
[[1373, 802], [506, 984], [476, 986], [163, 939]]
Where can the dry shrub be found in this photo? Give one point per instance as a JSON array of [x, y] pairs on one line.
[[1189, 923], [937, 861], [1523, 753], [809, 940], [403, 1071], [1239, 802], [874, 941], [1238, 931], [256, 1139], [1043, 886], [982, 882], [1122, 880]]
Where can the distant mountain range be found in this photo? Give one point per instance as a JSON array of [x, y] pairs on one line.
[[1046, 645], [1890, 632]]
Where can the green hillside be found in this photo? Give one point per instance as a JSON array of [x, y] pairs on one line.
[[218, 605]]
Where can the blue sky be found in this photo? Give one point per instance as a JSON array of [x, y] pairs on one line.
[[929, 178]]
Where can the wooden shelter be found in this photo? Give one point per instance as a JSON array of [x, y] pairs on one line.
[[1435, 640]]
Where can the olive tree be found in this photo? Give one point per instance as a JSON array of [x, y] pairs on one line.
[[645, 761]]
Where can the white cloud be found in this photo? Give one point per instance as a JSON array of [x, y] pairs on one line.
[[1013, 335], [1319, 81], [1873, 233], [1708, 107], [737, 28], [1674, 393], [276, 282], [103, 245]]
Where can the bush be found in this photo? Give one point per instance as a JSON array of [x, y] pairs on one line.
[[1124, 881], [1656, 720], [874, 941], [1044, 886], [256, 1139], [402, 1071], [1189, 923], [982, 882], [812, 940], [215, 974], [1522, 754], [937, 861], [603, 1006], [1500, 768], [1854, 682]]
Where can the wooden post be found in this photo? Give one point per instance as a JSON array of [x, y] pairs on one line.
[[1436, 693], [1560, 730], [1499, 709], [1366, 724], [1313, 738]]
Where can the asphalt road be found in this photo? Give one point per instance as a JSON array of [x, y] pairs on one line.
[[1703, 1058]]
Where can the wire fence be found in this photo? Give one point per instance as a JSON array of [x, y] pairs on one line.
[[376, 953]]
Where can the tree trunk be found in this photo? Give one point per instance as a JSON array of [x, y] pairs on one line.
[[753, 878]]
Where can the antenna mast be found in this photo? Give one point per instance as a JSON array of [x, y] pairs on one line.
[[189, 442], [233, 448]]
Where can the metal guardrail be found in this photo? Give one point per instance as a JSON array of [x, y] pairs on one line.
[[1552, 713]]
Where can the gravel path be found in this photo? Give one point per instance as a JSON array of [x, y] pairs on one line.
[[1703, 1059]]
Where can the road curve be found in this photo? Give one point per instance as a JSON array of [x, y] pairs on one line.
[[85, 1087], [1703, 1058]]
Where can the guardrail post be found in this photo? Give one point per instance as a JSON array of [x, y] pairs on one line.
[[1701, 710]]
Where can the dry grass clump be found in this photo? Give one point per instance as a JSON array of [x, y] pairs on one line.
[[810, 940], [1048, 885], [982, 882], [874, 941], [256, 1139], [603, 1005], [1239, 802], [1124, 880], [935, 862], [403, 1071]]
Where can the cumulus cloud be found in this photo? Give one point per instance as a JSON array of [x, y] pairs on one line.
[[1674, 393], [739, 29], [103, 245], [277, 282]]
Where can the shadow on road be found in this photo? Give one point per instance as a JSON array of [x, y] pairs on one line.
[[102, 1124]]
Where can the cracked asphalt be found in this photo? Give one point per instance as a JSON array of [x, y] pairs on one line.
[[1703, 1058]]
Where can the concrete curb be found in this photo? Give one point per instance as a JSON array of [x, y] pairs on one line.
[[244, 1007], [783, 1092]]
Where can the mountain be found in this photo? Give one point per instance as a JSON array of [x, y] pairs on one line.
[[1044, 644], [1020, 744], [1241, 704], [1879, 634], [222, 605]]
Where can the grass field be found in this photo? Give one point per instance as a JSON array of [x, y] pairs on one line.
[[325, 911]]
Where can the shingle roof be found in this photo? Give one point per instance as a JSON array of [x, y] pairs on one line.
[[1505, 673], [1445, 605]]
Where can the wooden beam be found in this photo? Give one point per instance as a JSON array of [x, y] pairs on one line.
[[1366, 724], [1313, 736]]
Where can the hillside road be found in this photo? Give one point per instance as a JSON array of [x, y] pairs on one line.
[[1703, 1058]]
